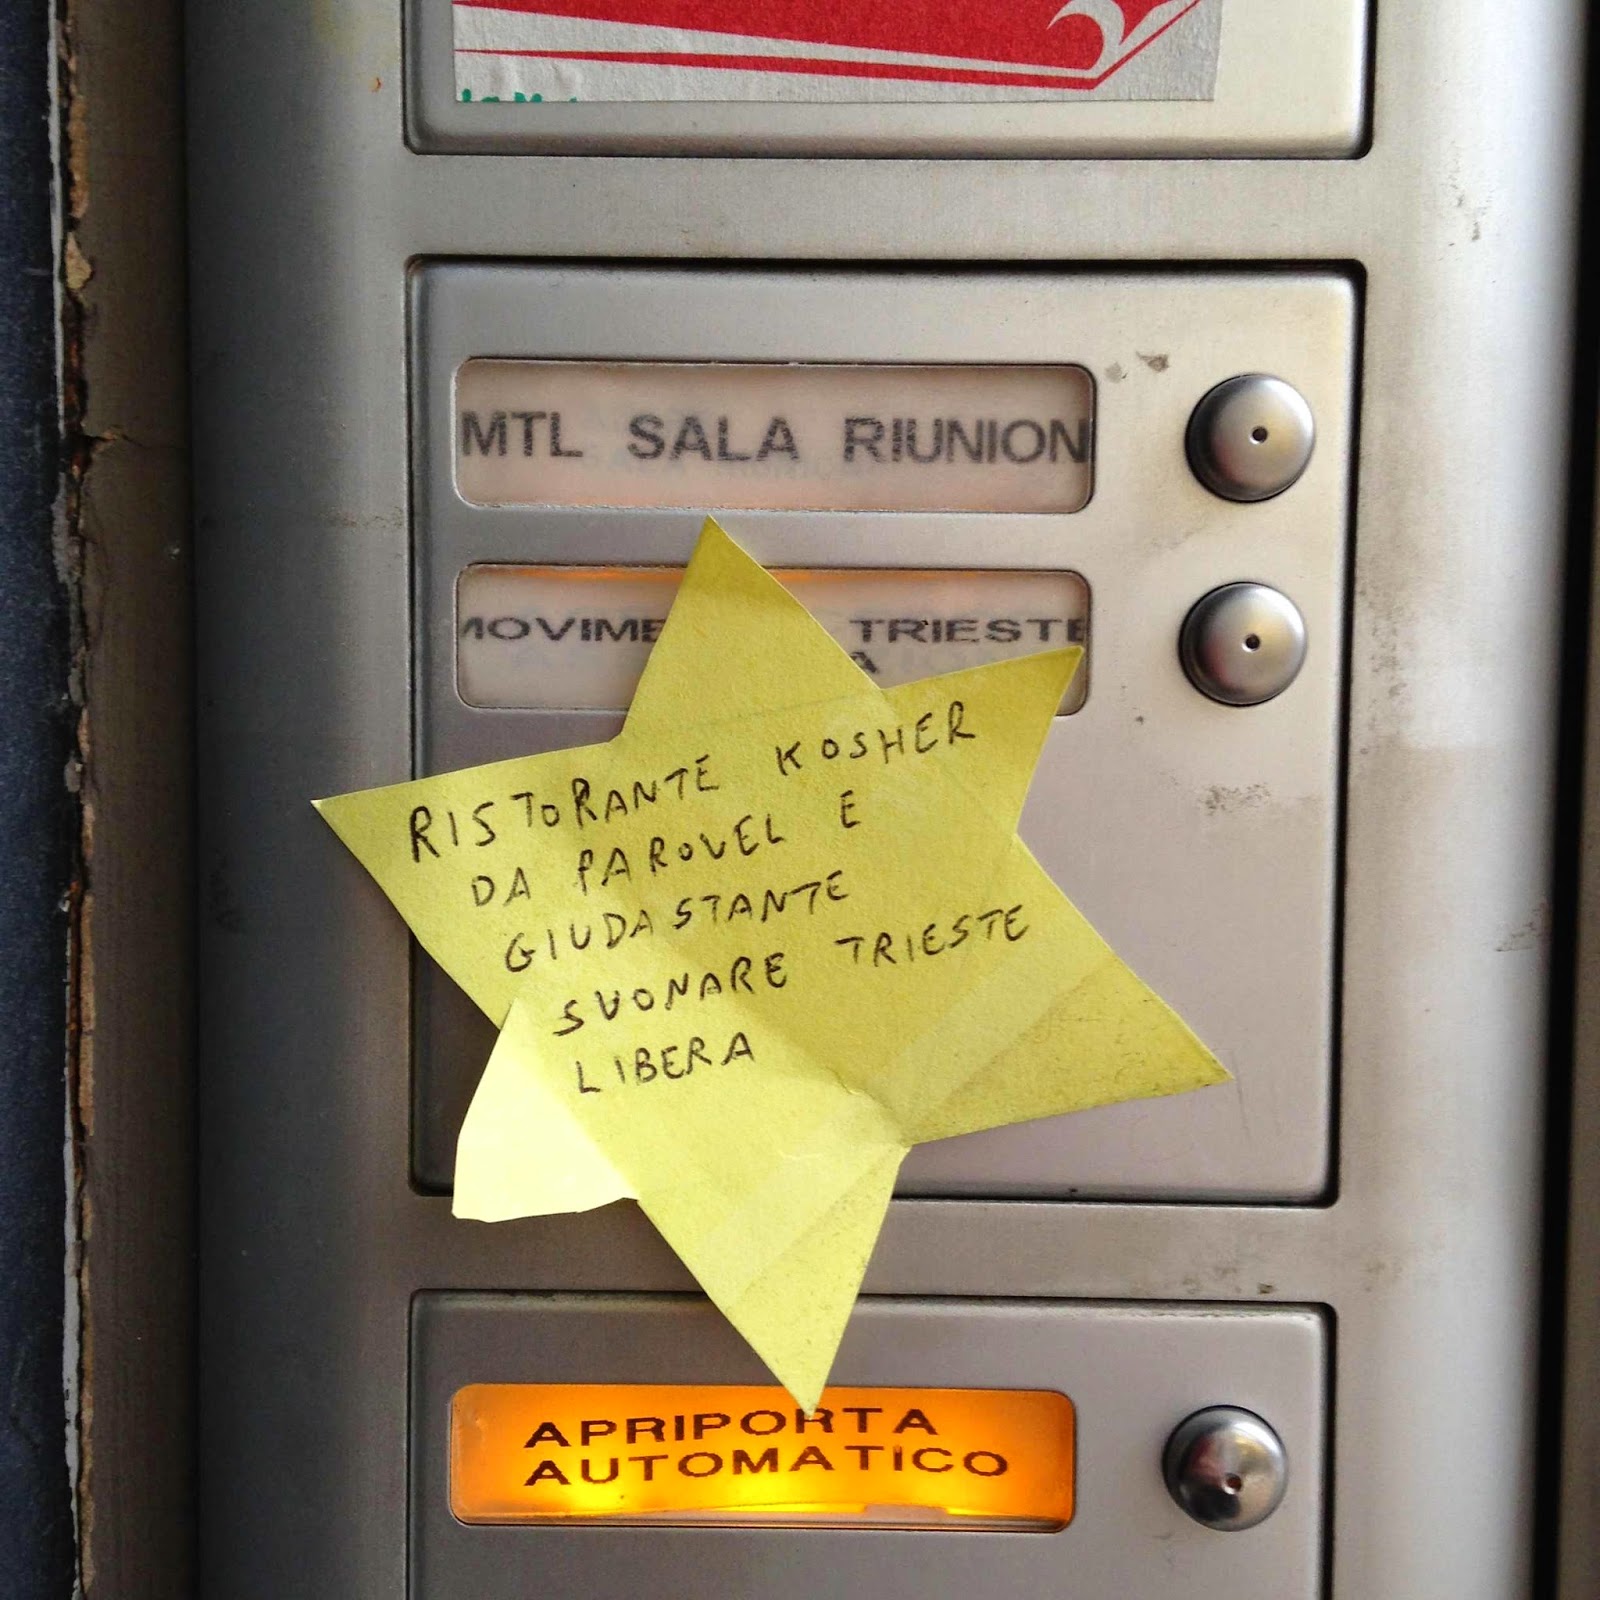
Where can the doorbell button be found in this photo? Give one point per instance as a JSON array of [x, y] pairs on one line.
[[1243, 643], [1251, 437]]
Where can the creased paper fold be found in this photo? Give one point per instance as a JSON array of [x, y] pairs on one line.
[[749, 952]]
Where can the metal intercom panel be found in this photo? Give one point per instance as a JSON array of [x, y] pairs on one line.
[[1162, 807], [1335, 866], [1126, 1368]]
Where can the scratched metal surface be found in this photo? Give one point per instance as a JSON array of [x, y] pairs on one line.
[[308, 206]]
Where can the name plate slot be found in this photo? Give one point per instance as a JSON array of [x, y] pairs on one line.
[[679, 1453], [752, 437], [577, 638]]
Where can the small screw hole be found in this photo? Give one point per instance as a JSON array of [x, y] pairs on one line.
[[1233, 1482], [1252, 641], [1259, 434]]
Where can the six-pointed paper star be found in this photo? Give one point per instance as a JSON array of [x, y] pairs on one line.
[[749, 952]]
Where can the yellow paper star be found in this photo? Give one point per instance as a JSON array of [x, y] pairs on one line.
[[745, 955]]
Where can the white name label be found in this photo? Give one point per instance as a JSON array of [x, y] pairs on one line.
[[781, 438], [577, 638]]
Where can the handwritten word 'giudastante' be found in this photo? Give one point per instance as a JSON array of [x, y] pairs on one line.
[[615, 927]]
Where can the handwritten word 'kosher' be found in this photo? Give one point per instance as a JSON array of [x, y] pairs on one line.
[[885, 742]]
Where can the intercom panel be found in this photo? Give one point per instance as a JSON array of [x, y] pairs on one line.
[[1028, 1457], [468, 374], [948, 469], [1088, 77]]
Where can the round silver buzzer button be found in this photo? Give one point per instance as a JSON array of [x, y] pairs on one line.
[[1243, 643], [1226, 1467], [1251, 437]]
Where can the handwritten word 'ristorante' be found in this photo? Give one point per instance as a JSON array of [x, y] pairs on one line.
[[928, 733], [583, 806]]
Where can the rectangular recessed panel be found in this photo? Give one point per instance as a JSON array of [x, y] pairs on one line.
[[748, 1456], [577, 638], [1180, 827], [892, 1488], [774, 438]]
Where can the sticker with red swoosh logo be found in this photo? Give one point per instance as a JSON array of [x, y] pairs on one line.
[[836, 50]]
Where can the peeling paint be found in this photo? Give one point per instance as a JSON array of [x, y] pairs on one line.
[[77, 267], [76, 271]]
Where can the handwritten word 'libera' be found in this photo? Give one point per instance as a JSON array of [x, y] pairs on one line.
[[670, 1061]]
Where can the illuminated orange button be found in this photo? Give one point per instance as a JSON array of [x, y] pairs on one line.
[[979, 1458]]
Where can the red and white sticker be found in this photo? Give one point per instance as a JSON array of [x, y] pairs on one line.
[[830, 50]]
